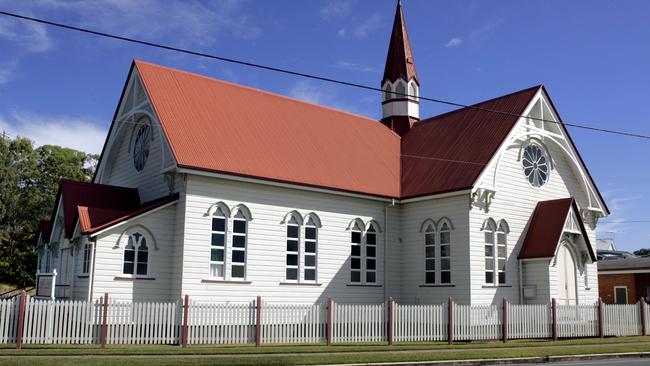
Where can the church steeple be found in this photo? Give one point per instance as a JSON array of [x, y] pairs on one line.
[[400, 112]]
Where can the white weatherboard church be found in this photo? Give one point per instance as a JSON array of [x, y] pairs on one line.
[[225, 192]]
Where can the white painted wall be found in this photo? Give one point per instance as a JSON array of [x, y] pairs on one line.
[[413, 288], [109, 260], [267, 242]]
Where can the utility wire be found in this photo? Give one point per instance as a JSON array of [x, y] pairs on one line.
[[312, 76]]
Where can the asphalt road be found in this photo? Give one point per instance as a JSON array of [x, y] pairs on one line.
[[610, 362]]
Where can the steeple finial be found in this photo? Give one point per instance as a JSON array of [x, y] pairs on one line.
[[399, 61]]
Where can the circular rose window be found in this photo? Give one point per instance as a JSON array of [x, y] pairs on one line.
[[141, 146], [536, 165]]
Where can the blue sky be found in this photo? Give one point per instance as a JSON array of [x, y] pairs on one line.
[[62, 87]]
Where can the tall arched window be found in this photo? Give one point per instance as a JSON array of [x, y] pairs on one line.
[[430, 254], [371, 254], [136, 255], [239, 239], [218, 244], [387, 91], [311, 250], [355, 254], [293, 249], [496, 240]]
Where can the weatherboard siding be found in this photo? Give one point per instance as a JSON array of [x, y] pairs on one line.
[[536, 273], [108, 264], [515, 201], [267, 242], [413, 290]]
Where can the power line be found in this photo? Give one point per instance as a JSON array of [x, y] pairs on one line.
[[625, 221], [312, 76]]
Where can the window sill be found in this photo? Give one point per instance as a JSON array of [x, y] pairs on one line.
[[362, 285], [233, 282], [496, 286], [300, 284], [437, 285], [134, 278], [83, 276]]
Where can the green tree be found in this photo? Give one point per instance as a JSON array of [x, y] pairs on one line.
[[28, 184], [645, 252]]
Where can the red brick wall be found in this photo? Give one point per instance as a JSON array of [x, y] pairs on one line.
[[606, 284]]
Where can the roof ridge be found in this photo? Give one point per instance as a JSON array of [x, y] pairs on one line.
[[472, 106], [277, 95]]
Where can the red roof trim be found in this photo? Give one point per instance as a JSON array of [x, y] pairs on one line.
[[110, 218]]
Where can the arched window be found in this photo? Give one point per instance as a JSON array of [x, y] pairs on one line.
[[85, 265], [413, 91], [496, 239], [311, 250], [48, 259], [136, 255], [355, 254], [293, 248], [371, 254], [218, 243], [387, 91], [445, 253], [239, 239], [400, 90], [430, 254]]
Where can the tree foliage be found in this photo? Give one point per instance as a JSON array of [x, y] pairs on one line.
[[29, 179], [645, 252]]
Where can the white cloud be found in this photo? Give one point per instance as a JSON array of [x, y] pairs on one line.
[[615, 222], [454, 42], [328, 96], [189, 23], [342, 32], [352, 66], [7, 71], [336, 9], [29, 36], [307, 91], [73, 132], [485, 30], [368, 26]]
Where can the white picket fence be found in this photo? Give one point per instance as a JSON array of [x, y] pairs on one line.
[[357, 323], [529, 321], [8, 320], [419, 323], [81, 322]]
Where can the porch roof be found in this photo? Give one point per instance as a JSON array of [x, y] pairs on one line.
[[546, 228]]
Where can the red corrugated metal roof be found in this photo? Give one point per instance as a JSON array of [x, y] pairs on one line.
[[94, 219], [546, 227], [448, 152], [399, 61], [93, 195], [222, 127]]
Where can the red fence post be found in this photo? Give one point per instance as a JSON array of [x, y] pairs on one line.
[[450, 320], [390, 321], [643, 305], [504, 330], [554, 319], [185, 329], [21, 319], [329, 327], [601, 319], [258, 321], [104, 334]]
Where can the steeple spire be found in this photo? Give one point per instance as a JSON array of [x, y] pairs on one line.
[[400, 77]]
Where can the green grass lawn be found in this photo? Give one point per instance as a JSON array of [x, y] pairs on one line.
[[315, 354]]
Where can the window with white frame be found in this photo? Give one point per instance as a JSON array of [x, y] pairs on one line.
[[387, 91], [85, 265], [311, 250], [48, 259], [218, 244], [136, 255], [371, 254], [430, 254], [355, 254], [400, 90], [293, 249], [239, 239], [445, 253], [496, 241]]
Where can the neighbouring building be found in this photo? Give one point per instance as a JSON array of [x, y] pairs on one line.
[[226, 192], [624, 281]]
